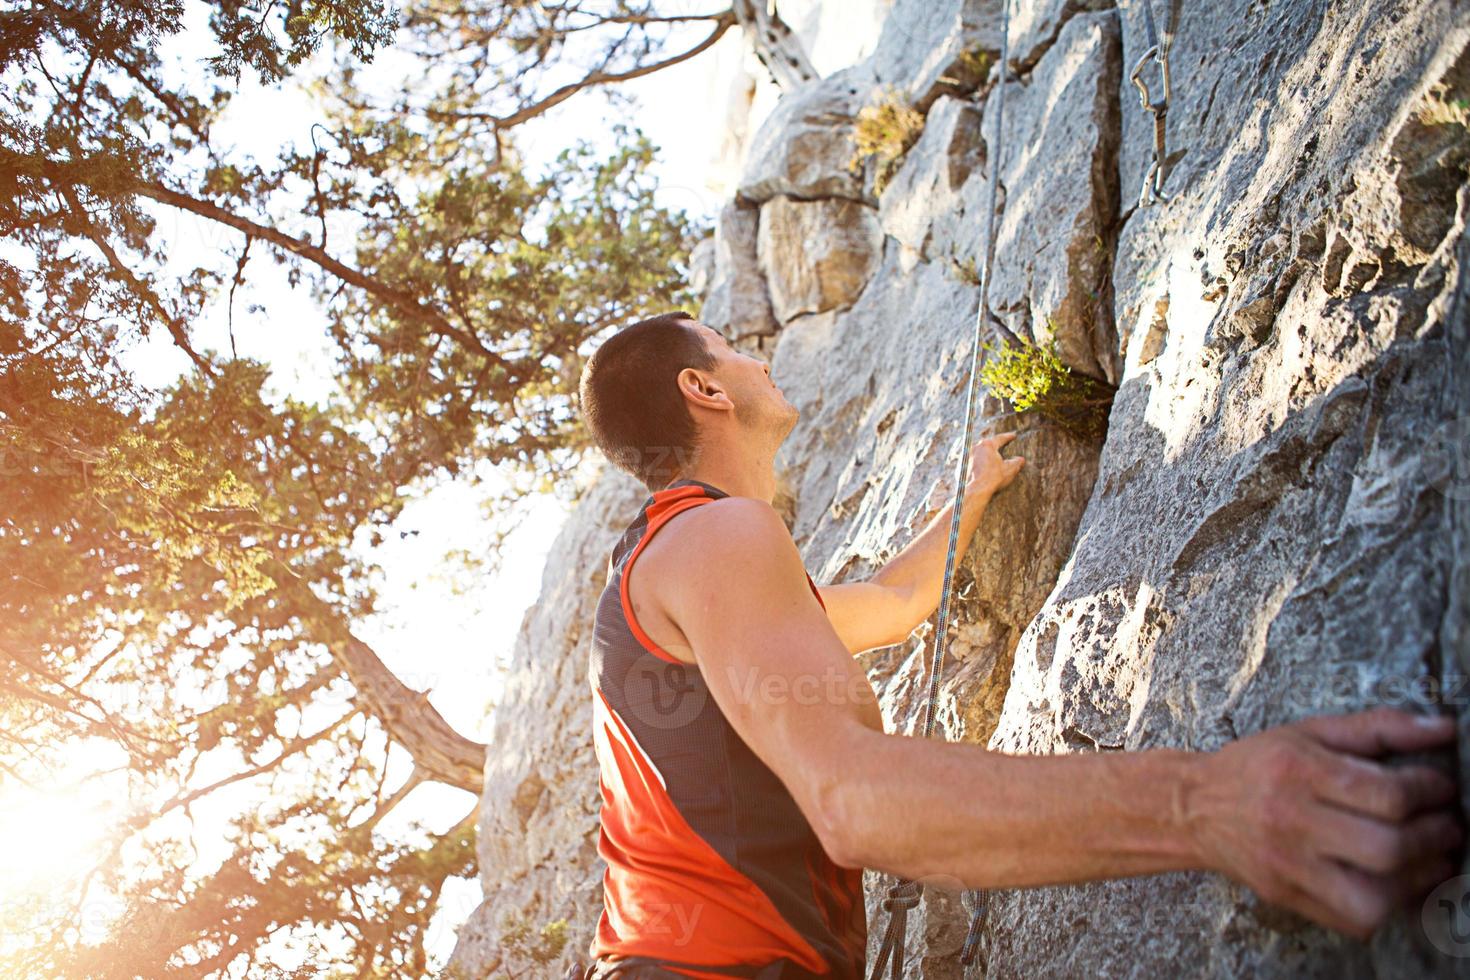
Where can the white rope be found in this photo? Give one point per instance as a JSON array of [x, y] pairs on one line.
[[904, 895]]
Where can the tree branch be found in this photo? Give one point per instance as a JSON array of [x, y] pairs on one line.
[[65, 174], [175, 328], [287, 750], [442, 753], [400, 301], [777, 46], [723, 23], [384, 807]]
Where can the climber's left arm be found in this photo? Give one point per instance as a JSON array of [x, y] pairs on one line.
[[886, 608]]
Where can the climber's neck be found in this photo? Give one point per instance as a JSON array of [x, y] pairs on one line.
[[748, 474]]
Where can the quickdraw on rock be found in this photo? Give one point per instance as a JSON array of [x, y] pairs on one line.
[[1158, 168]]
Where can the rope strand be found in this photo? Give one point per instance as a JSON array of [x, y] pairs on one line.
[[904, 895]]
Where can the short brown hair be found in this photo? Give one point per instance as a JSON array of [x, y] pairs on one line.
[[630, 396]]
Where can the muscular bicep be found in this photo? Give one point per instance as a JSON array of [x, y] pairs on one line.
[[769, 655]]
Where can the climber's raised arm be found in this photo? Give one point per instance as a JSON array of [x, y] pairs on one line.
[[887, 607], [1301, 813]]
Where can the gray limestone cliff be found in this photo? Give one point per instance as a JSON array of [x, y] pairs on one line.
[[1274, 525]]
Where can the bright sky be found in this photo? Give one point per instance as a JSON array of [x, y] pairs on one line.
[[453, 644]]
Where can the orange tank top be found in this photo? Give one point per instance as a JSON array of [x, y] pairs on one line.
[[709, 860]]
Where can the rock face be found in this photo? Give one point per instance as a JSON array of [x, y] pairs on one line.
[[817, 255], [737, 302], [538, 835], [805, 146], [1274, 525]]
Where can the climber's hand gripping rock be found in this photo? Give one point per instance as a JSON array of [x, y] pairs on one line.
[[989, 470], [1308, 818]]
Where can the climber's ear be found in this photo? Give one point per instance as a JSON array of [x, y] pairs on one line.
[[704, 389]]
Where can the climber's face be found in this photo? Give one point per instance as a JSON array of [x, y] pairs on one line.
[[759, 404]]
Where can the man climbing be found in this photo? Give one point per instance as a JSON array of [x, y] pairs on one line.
[[745, 775]]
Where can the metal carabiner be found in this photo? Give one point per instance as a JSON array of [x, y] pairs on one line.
[[1152, 191]]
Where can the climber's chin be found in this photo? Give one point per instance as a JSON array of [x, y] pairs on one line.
[[779, 407], [789, 415], [766, 418]]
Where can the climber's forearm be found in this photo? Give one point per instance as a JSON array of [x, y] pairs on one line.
[[916, 574], [915, 807], [1308, 815], [889, 605]]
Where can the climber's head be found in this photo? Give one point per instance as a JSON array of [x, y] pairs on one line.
[[658, 392]]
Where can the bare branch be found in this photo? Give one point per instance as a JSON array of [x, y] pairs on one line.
[[174, 327], [289, 749], [415, 778], [327, 262], [723, 23], [442, 753]]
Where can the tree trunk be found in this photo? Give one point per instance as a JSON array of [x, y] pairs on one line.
[[775, 43]]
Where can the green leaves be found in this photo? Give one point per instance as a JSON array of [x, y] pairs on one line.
[[885, 131], [249, 33], [179, 570], [1032, 378], [532, 268]]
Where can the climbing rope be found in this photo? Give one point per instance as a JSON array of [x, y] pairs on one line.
[[904, 895], [1158, 168]]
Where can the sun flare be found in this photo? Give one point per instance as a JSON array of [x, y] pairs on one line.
[[52, 833]]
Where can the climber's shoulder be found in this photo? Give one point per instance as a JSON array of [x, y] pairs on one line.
[[728, 515], [709, 570], [725, 551]]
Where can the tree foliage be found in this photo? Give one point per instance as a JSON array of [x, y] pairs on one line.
[[179, 577]]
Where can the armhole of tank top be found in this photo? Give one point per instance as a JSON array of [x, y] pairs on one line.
[[815, 591], [643, 638]]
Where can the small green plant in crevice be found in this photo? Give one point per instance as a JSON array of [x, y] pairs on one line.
[[969, 71], [885, 130], [1032, 378], [971, 68], [967, 272]]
